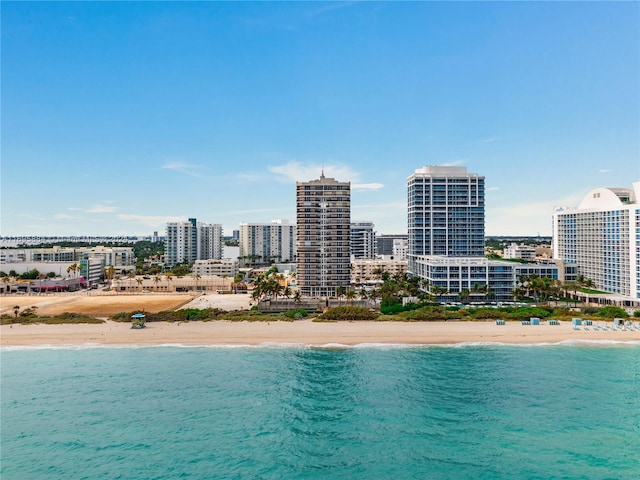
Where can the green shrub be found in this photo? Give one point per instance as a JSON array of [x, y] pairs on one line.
[[121, 317], [348, 313], [430, 313], [482, 313], [396, 308], [389, 301], [297, 314], [392, 309], [636, 313], [562, 312], [524, 313], [612, 312], [66, 317]]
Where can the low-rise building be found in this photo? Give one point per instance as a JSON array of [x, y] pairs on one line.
[[494, 279], [222, 267], [521, 252], [166, 283], [369, 271]]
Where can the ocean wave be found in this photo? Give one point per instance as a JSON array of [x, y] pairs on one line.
[[325, 346]]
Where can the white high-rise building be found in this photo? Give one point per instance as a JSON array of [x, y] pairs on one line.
[[209, 242], [265, 243], [446, 215], [363, 240], [601, 237], [445, 212], [192, 240]]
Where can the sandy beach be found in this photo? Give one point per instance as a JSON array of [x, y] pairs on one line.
[[302, 332], [257, 333], [101, 304]]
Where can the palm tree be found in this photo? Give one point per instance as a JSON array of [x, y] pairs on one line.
[[287, 292], [350, 295], [377, 272], [169, 276], [340, 291], [6, 281], [139, 282], [75, 268], [297, 297], [16, 309], [109, 273], [364, 295], [197, 276], [131, 276], [463, 295], [156, 280], [374, 294]]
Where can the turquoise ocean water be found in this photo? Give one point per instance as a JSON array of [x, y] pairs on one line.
[[495, 412]]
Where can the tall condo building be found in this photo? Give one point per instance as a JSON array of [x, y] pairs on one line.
[[363, 240], [323, 209], [446, 239], [445, 212], [192, 240], [601, 238], [265, 243]]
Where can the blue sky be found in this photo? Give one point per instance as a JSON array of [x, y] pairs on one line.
[[120, 116]]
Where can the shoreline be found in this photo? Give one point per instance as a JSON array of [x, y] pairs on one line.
[[304, 333]]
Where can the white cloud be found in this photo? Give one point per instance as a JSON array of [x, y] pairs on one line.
[[30, 216], [604, 170], [492, 189], [186, 168], [64, 216], [295, 171], [99, 208], [453, 163]]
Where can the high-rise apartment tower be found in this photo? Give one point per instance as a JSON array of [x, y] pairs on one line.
[[323, 209], [192, 240], [265, 243], [363, 240], [445, 212]]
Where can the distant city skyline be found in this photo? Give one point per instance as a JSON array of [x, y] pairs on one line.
[[118, 117]]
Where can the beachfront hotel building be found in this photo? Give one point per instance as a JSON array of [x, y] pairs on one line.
[[186, 242], [446, 226], [363, 240], [601, 238], [266, 243], [323, 213]]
